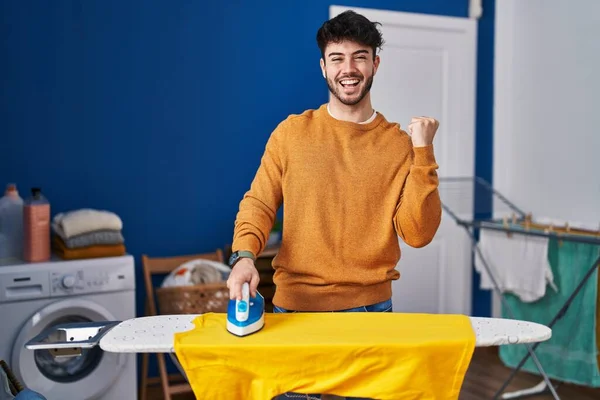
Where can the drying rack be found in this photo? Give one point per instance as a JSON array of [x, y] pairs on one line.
[[474, 204]]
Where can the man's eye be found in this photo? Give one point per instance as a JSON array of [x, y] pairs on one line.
[[361, 57], [336, 59]]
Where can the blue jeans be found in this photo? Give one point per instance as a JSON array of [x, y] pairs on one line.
[[384, 306]]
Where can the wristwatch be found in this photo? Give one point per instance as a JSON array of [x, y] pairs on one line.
[[236, 256]]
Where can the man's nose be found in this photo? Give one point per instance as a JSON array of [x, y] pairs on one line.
[[349, 66]]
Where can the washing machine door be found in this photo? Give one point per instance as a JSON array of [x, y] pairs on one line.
[[83, 377]]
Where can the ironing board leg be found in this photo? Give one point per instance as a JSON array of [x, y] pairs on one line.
[[558, 316], [540, 388], [178, 365]]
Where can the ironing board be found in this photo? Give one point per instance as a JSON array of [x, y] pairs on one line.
[[155, 334]]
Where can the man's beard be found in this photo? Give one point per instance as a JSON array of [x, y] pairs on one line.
[[335, 90]]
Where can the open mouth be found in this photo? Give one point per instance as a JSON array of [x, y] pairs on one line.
[[348, 83]]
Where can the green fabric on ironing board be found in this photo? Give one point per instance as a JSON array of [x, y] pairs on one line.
[[571, 354]]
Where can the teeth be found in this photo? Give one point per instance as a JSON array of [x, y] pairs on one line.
[[349, 81]]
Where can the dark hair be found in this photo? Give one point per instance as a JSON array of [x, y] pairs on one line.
[[350, 26]]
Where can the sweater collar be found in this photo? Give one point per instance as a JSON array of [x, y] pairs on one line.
[[370, 119], [371, 123]]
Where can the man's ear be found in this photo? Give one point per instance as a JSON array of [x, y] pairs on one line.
[[323, 68], [376, 64]]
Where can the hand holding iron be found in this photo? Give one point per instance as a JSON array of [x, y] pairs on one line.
[[242, 272]]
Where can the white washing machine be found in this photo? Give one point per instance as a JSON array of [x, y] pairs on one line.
[[35, 296]]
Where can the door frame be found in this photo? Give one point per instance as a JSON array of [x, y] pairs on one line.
[[416, 20]]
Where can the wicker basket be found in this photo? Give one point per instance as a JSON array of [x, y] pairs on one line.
[[198, 299]]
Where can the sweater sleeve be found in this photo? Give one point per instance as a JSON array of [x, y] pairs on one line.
[[259, 205], [419, 211]]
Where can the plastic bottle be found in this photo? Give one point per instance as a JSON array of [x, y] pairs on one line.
[[36, 227], [11, 224]]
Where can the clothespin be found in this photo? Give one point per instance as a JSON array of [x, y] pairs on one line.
[[550, 230], [505, 224], [528, 219], [567, 230]]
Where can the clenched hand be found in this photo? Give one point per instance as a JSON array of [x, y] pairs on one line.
[[243, 271], [422, 130]]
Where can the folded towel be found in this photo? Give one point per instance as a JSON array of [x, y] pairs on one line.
[[85, 220], [519, 263], [97, 251], [104, 237]]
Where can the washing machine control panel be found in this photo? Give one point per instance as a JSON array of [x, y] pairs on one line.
[[84, 281], [58, 278]]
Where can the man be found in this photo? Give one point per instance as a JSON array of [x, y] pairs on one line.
[[352, 182]]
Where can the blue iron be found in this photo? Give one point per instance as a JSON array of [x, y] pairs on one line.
[[247, 315]]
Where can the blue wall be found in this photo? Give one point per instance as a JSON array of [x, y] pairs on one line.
[[159, 111]]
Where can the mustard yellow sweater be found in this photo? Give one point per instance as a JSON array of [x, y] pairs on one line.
[[348, 191]]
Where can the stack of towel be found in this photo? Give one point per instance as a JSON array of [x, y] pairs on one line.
[[87, 233]]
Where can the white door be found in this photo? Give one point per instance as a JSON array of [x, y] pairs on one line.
[[428, 67]]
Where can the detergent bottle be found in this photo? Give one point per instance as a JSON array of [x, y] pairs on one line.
[[36, 227], [11, 224]]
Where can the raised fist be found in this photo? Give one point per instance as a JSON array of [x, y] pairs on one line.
[[422, 130]]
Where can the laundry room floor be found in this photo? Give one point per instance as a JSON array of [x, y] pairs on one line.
[[485, 376]]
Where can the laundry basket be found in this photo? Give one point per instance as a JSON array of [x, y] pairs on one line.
[[197, 299]]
